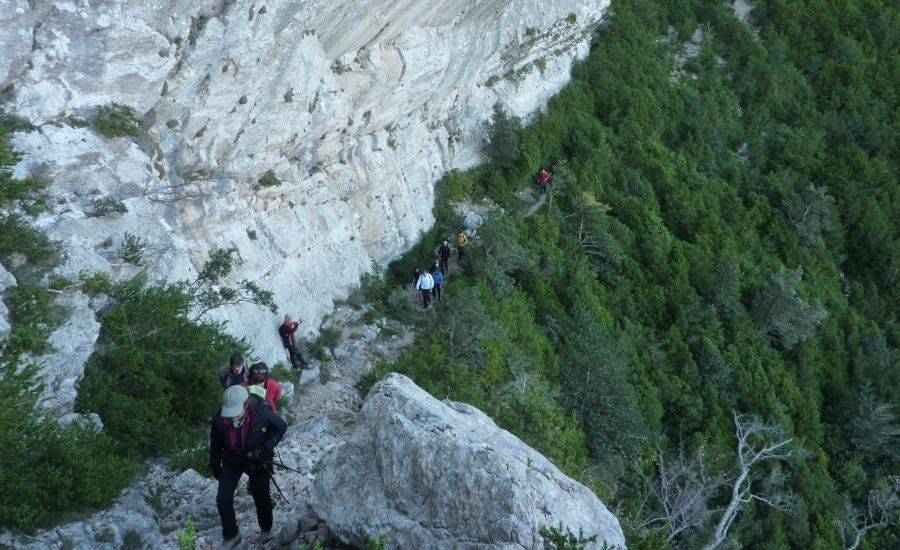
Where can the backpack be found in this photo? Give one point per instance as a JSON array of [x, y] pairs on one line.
[[285, 333], [438, 277]]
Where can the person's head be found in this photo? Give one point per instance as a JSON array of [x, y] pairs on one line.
[[288, 318], [234, 402], [259, 372], [445, 243], [236, 363]]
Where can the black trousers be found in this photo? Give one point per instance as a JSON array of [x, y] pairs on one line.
[[426, 297], [444, 265], [259, 489], [294, 355], [436, 292]]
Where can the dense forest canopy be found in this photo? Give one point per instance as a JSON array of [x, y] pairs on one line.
[[718, 264]]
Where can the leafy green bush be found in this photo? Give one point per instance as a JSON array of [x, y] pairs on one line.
[[504, 131], [134, 249], [456, 186], [187, 539], [49, 470], [562, 538], [116, 120], [329, 338], [269, 179], [155, 357], [33, 317]]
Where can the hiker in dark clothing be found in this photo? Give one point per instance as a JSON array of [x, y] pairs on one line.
[[289, 340], [438, 282], [242, 439], [444, 256], [235, 374]]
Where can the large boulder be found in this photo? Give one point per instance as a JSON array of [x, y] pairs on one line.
[[432, 474]]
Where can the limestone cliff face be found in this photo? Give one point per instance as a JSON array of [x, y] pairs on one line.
[[357, 106]]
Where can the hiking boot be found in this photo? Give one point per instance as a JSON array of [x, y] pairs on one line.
[[232, 543]]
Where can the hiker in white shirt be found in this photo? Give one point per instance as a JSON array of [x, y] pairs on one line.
[[424, 286]]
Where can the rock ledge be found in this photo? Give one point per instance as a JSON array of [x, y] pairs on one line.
[[431, 474]]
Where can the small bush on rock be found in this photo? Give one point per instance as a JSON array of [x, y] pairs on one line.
[[116, 120], [269, 179]]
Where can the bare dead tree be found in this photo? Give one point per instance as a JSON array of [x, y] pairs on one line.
[[758, 442], [882, 509], [683, 489]]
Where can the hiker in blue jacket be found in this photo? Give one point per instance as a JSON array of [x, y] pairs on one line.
[[438, 277]]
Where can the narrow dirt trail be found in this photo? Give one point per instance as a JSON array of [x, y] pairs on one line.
[[536, 206], [153, 510]]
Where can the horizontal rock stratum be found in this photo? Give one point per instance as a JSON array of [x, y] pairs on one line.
[[432, 474]]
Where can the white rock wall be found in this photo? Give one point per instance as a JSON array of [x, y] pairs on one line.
[[358, 106]]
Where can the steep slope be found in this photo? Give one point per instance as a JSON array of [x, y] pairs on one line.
[[356, 108]]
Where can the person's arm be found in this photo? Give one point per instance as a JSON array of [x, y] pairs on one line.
[[215, 450], [276, 428], [276, 388]]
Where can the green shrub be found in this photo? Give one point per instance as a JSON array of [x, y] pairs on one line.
[[456, 186], [116, 120], [33, 317], [504, 131], [371, 316], [282, 374], [187, 539], [19, 237], [49, 470], [154, 357], [106, 207], [134, 249], [329, 338], [58, 282], [269, 179], [562, 538]]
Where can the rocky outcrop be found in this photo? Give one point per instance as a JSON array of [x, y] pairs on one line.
[[356, 107], [431, 474], [73, 343], [6, 280]]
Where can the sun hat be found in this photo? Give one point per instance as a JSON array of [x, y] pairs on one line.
[[233, 401]]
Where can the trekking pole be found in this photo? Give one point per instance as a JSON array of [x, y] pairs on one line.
[[280, 465], [277, 488]]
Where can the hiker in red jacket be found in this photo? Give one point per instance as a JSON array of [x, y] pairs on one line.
[[289, 340], [260, 384], [544, 180]]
